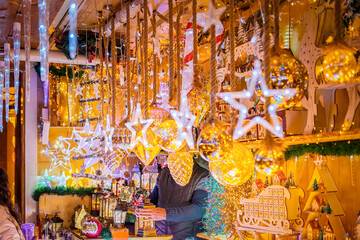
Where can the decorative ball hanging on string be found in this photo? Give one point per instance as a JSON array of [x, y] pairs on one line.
[[236, 169], [181, 167], [339, 63], [214, 143], [199, 102], [167, 136], [158, 114], [268, 155], [287, 72]]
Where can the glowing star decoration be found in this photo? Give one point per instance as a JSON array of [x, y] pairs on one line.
[[87, 108], [60, 156], [138, 124], [7, 78], [156, 46], [78, 90], [211, 16], [44, 180], [143, 140], [44, 46], [72, 29], [61, 179], [17, 38], [257, 78], [185, 122], [161, 74], [96, 90]]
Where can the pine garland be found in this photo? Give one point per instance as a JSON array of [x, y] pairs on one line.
[[339, 148], [60, 71], [62, 191]]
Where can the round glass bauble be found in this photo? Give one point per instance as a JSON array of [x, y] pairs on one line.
[[181, 166], [339, 63], [158, 114], [167, 136], [236, 169], [199, 102], [214, 143], [287, 72]]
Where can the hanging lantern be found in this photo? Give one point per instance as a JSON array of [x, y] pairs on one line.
[[136, 176], [339, 63], [199, 102], [46, 225], [57, 223], [268, 155], [287, 72], [236, 169], [95, 201], [107, 205], [214, 143], [119, 215], [181, 167], [167, 136], [146, 227]]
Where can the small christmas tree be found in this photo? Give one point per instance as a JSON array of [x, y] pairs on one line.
[[241, 35], [315, 185], [322, 209], [321, 234], [257, 35], [328, 209]]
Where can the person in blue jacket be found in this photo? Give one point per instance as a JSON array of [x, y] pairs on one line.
[[179, 209]]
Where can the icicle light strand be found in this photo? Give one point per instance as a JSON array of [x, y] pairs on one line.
[[27, 33], [17, 37], [7, 78], [72, 29], [44, 46]]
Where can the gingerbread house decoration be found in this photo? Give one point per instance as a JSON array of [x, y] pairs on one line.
[[279, 178], [317, 203], [268, 213], [313, 230], [257, 187], [328, 233]]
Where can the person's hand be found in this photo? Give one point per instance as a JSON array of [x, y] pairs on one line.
[[154, 214]]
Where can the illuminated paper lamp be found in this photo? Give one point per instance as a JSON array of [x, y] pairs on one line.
[[181, 167]]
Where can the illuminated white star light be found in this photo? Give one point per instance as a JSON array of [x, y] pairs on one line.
[[78, 90], [145, 124], [211, 16], [185, 122], [257, 78]]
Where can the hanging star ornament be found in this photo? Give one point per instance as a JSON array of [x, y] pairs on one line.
[[281, 96], [60, 156], [139, 124], [185, 122], [96, 90], [78, 90], [211, 16], [61, 179], [87, 108], [161, 74]]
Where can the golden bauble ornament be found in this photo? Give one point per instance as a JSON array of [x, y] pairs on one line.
[[199, 102], [268, 155], [339, 63], [158, 114], [181, 167], [147, 153], [236, 169], [287, 72], [214, 143], [167, 136]]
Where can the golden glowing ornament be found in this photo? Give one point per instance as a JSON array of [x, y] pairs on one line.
[[199, 102], [236, 169], [158, 114], [287, 72], [339, 63], [214, 143], [268, 155], [181, 167], [149, 152], [167, 136], [113, 159]]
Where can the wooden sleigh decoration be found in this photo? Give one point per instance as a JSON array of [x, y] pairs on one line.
[[268, 213]]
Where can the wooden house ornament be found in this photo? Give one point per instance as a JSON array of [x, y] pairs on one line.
[[313, 229]]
